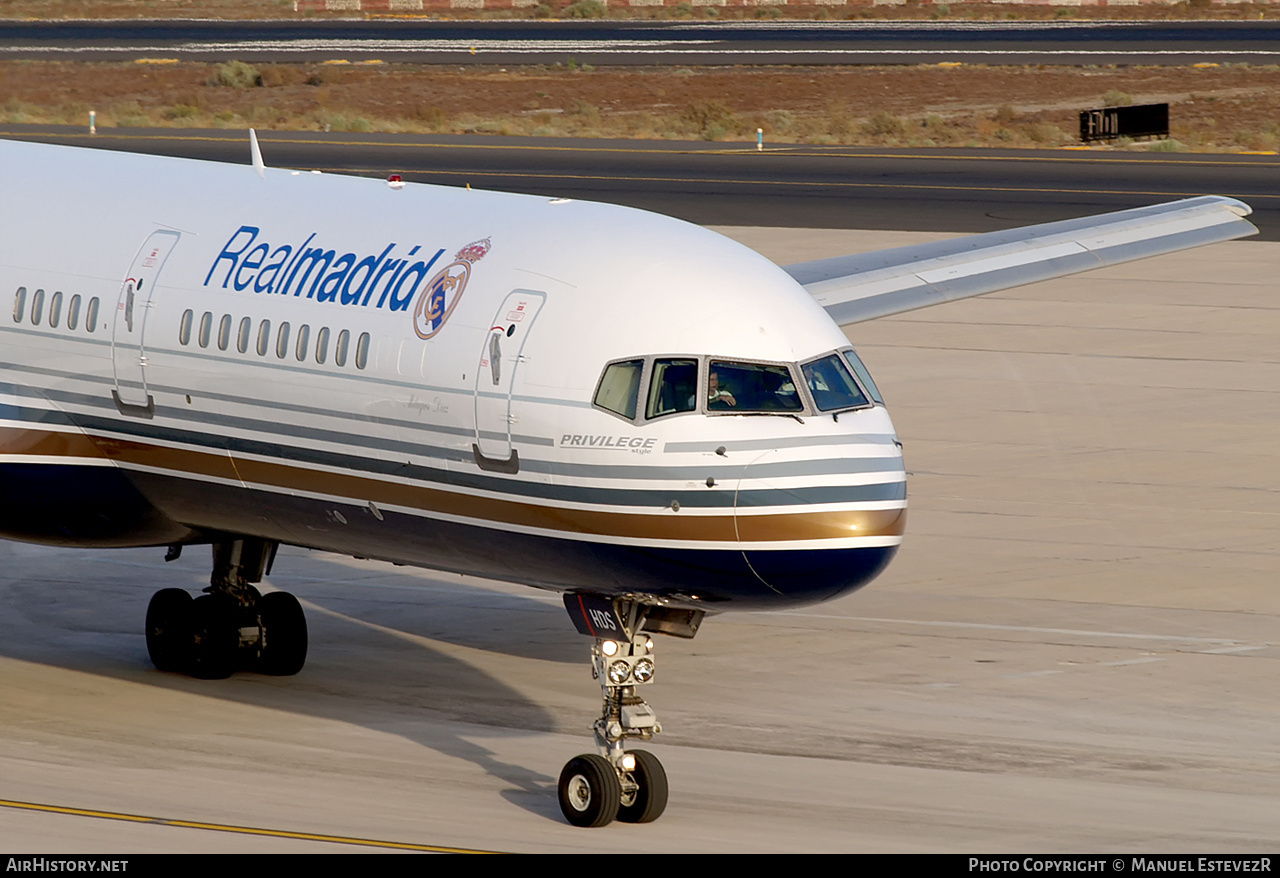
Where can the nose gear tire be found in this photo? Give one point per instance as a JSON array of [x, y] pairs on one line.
[[590, 792], [650, 798]]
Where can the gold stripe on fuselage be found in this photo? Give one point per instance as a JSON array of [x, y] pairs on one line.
[[667, 525]]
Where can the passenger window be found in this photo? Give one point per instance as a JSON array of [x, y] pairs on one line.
[[19, 304], [673, 387], [620, 388], [73, 312], [751, 387], [362, 350], [304, 335], [832, 386], [206, 329], [91, 315], [340, 351], [322, 344], [224, 332], [242, 336], [282, 341], [264, 337], [184, 327], [55, 309], [863, 375], [37, 307]]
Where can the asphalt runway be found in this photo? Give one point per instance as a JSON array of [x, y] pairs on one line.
[[800, 186], [685, 43], [1075, 651]]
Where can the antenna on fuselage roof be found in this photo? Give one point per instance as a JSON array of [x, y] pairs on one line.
[[256, 154]]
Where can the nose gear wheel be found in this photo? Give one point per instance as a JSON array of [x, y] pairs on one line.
[[629, 786], [649, 798], [590, 792]]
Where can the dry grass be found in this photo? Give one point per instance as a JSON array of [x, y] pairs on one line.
[[1212, 109], [912, 9]]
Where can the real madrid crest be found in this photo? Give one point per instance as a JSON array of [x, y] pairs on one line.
[[437, 301]]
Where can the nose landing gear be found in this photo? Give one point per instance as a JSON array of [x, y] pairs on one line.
[[616, 783]]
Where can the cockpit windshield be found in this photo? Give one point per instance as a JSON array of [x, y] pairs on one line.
[[751, 387], [673, 387], [689, 384], [863, 375], [832, 386], [619, 387]]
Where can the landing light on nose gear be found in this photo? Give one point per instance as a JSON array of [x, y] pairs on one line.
[[627, 785]]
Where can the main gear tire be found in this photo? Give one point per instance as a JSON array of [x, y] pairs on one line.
[[169, 633], [216, 637], [284, 634]]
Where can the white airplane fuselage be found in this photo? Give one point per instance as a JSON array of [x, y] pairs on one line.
[[193, 350]]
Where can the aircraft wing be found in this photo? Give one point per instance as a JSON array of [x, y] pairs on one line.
[[869, 285]]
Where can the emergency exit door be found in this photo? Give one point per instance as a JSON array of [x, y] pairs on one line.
[[128, 335], [500, 359]]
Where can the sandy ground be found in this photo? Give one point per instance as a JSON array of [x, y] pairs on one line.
[[1076, 650], [268, 9], [1220, 109]]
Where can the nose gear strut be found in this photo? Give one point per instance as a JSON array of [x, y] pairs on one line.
[[627, 785]]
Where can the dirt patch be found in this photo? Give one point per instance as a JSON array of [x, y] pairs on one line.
[[909, 10], [1229, 108]]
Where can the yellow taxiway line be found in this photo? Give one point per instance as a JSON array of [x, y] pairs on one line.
[[239, 830]]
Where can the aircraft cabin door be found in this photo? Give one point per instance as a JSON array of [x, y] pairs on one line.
[[128, 351], [499, 359]]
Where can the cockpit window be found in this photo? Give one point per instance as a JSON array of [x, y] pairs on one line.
[[673, 387], [832, 386], [751, 387], [620, 388], [863, 375]]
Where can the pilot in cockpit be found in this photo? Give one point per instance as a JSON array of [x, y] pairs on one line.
[[718, 397]]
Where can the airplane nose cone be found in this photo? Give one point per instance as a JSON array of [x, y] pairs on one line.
[[801, 528]]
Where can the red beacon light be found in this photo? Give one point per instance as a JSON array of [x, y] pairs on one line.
[[395, 181]]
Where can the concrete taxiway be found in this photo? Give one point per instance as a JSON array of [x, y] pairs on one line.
[[1075, 650], [680, 43], [716, 184]]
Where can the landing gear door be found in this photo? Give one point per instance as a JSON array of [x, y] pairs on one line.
[[128, 336], [500, 358]]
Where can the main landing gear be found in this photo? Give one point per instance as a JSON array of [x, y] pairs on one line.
[[232, 626], [616, 783]]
